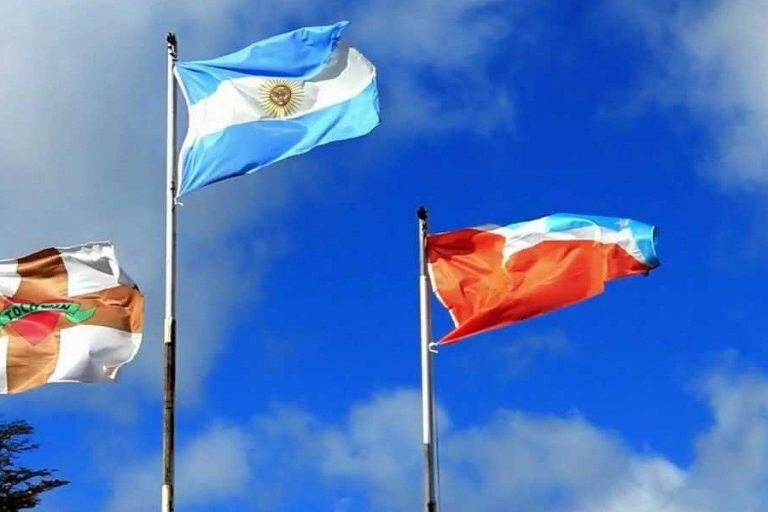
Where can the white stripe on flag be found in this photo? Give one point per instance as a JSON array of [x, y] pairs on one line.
[[3, 364], [525, 237], [90, 268], [237, 101], [10, 280], [92, 353]]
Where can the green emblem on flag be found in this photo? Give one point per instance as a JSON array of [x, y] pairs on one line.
[[71, 309]]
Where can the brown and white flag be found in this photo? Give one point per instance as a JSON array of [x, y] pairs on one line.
[[66, 315]]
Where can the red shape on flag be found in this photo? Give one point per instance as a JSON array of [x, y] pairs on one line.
[[34, 327]]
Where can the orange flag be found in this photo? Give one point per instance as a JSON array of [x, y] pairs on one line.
[[490, 277]]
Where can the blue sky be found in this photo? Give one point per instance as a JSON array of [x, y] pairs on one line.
[[298, 285]]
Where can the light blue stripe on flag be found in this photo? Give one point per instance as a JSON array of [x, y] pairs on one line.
[[644, 235]]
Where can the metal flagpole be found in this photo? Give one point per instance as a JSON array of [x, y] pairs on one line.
[[169, 388], [427, 383]]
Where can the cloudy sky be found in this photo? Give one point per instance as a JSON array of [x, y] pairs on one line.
[[298, 341]]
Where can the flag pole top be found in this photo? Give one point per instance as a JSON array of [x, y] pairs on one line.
[[422, 213], [171, 39]]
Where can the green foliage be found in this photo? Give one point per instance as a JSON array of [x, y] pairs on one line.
[[20, 487]]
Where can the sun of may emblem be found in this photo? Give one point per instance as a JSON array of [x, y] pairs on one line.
[[281, 98]]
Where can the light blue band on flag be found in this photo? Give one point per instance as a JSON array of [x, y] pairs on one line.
[[297, 55], [269, 141], [644, 235]]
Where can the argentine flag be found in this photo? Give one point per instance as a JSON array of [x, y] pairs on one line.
[[276, 98]]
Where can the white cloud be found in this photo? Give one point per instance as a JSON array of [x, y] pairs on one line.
[[379, 445], [512, 461], [212, 469], [437, 58], [711, 59]]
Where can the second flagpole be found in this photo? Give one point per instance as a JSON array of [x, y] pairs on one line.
[[169, 337], [427, 382]]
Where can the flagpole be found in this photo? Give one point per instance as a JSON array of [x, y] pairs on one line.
[[427, 382], [169, 340]]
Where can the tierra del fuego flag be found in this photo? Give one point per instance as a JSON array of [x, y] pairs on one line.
[[493, 276], [276, 98], [66, 315]]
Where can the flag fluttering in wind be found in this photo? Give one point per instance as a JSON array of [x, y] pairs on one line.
[[277, 98], [66, 315], [493, 276]]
